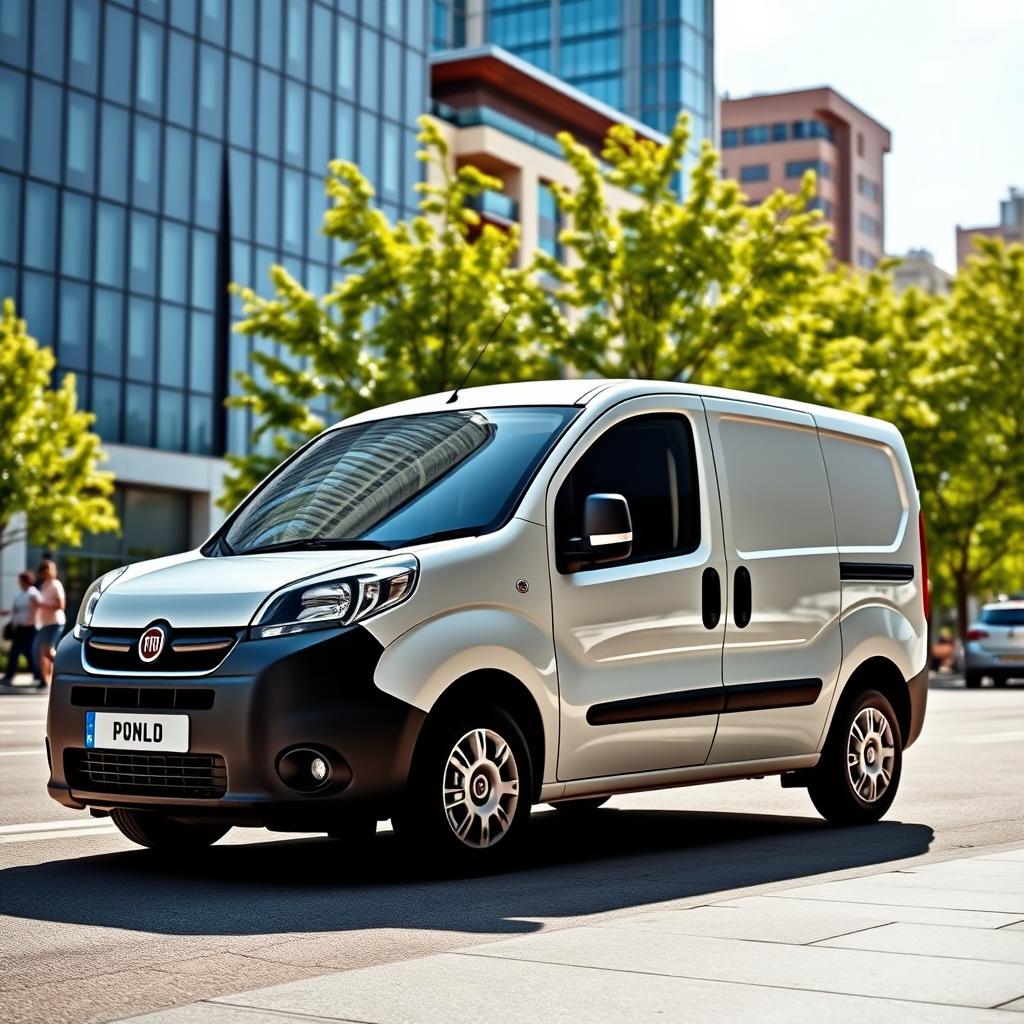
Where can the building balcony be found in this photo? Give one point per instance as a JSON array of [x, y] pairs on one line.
[[495, 208]]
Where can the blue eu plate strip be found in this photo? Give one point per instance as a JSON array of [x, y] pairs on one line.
[[90, 728]]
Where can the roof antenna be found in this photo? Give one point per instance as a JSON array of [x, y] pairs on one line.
[[462, 384]]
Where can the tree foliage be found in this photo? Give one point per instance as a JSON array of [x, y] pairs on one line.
[[51, 489], [668, 289]]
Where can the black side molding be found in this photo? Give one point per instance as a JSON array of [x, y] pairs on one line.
[[710, 700], [877, 572]]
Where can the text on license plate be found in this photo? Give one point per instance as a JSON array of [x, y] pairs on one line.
[[1012, 657], [109, 730]]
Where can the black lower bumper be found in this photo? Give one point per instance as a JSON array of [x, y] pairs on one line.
[[307, 692], [917, 690]]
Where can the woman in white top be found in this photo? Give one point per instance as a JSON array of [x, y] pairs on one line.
[[49, 611], [23, 626]]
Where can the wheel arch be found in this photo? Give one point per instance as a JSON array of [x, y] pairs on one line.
[[504, 690], [881, 674]]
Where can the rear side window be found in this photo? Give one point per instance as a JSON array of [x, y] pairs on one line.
[[1002, 616], [652, 463]]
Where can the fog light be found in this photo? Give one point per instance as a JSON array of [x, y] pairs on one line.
[[318, 769]]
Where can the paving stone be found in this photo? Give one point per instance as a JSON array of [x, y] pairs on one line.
[[999, 945], [891, 912], [792, 921], [457, 989], [884, 975], [903, 893]]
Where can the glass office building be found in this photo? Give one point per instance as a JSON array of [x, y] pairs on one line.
[[151, 152], [647, 58]]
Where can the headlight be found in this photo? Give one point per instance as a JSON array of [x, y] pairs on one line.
[[338, 601], [92, 598]]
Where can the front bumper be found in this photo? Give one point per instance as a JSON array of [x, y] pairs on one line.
[[312, 690]]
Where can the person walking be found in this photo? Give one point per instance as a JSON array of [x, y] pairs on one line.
[[50, 619], [22, 627]]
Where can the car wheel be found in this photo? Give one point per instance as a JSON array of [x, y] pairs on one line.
[[856, 780], [159, 832], [972, 680], [468, 800], [581, 807]]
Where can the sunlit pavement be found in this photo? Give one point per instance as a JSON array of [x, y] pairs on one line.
[[599, 918]]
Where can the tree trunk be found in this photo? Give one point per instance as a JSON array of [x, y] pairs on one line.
[[963, 592]]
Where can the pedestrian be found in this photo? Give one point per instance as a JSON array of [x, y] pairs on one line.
[[50, 619], [22, 627]]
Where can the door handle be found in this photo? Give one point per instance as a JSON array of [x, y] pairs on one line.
[[711, 598], [741, 599]]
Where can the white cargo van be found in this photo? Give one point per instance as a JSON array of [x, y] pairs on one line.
[[448, 610]]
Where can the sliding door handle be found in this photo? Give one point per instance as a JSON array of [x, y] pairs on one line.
[[711, 598], [741, 597]]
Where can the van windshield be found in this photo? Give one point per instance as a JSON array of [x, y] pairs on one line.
[[393, 482]]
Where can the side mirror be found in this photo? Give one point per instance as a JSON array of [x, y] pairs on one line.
[[607, 532]]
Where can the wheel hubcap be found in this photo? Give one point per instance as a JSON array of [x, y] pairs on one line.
[[871, 754], [481, 788]]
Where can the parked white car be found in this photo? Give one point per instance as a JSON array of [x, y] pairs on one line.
[[448, 610], [994, 645]]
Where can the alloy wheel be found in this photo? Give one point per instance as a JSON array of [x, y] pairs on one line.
[[481, 788], [870, 754]]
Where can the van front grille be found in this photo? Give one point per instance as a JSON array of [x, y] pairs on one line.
[[196, 776], [189, 651]]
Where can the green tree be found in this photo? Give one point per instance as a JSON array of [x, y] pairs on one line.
[[417, 301], [707, 288], [974, 488], [51, 489]]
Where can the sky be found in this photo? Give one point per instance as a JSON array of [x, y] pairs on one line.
[[945, 76]]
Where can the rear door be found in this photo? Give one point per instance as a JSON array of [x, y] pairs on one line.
[[638, 643], [783, 647]]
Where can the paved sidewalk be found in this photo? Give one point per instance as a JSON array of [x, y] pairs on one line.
[[940, 942]]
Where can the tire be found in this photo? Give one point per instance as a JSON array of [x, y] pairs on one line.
[[846, 791], [159, 832], [972, 680], [580, 808], [467, 803]]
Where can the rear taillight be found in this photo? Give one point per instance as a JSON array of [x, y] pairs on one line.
[[926, 583], [977, 634]]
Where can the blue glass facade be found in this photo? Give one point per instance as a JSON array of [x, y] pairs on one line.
[[153, 151], [647, 58]]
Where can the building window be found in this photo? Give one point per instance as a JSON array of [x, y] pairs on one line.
[[866, 260], [780, 131], [869, 226], [754, 172], [730, 138], [755, 135], [798, 168], [549, 225], [869, 189], [825, 205]]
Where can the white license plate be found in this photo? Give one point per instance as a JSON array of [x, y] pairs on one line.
[[110, 730]]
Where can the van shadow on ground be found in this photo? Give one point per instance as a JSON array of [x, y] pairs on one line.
[[615, 859]]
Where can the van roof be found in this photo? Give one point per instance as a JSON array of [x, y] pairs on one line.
[[586, 391]]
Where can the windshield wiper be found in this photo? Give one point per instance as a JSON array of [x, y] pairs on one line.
[[428, 538], [319, 543]]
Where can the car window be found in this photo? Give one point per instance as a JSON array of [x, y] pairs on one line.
[[1002, 616], [651, 462]]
